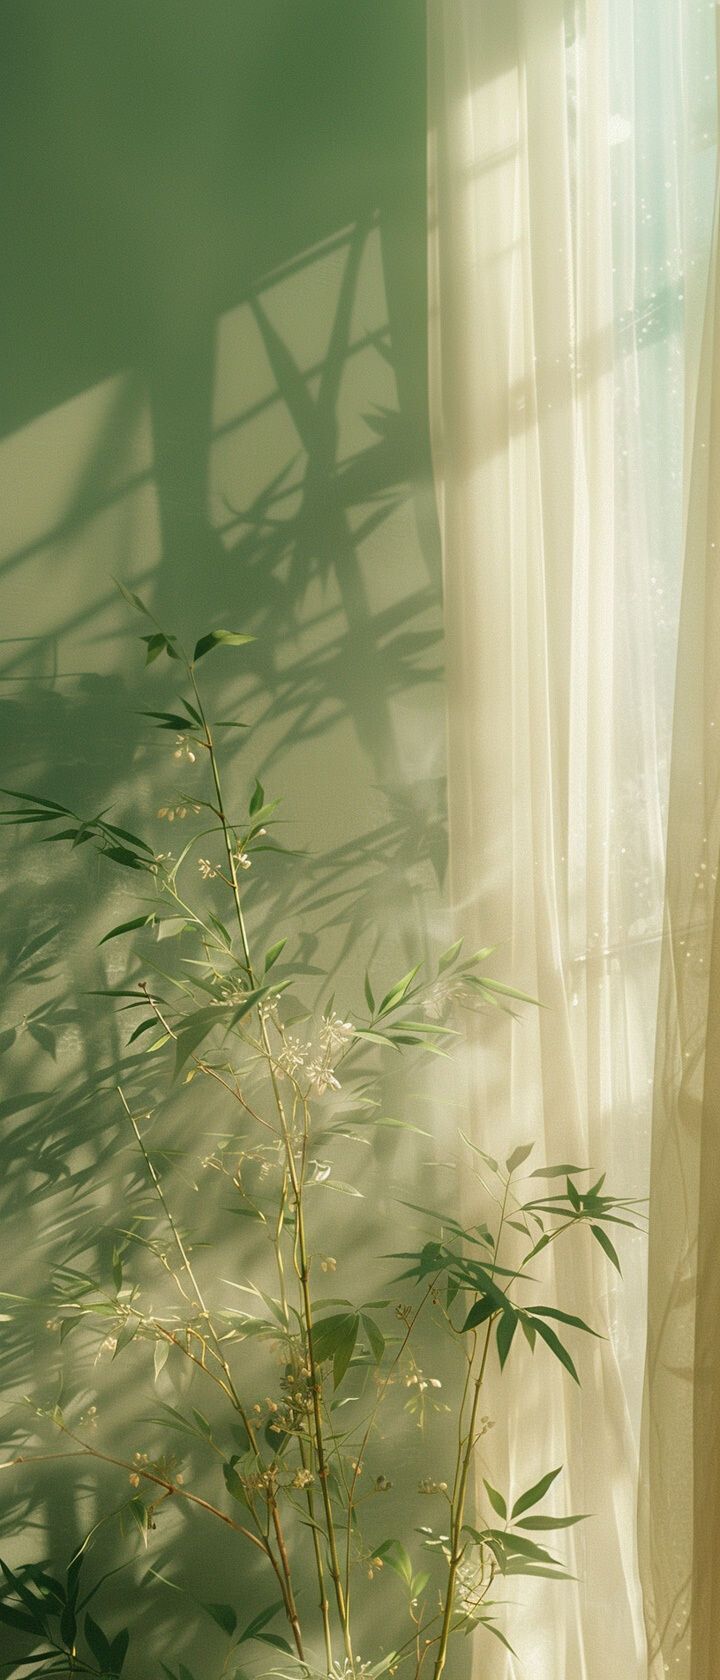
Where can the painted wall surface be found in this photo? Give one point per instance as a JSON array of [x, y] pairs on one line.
[[213, 387]]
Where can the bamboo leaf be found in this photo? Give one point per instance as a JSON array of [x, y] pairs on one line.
[[271, 956], [565, 1318], [218, 638], [557, 1172], [257, 798], [260, 1621], [534, 1494], [507, 1325], [344, 1349], [118, 1650], [496, 1500], [128, 927], [99, 1644], [398, 991], [393, 1553], [132, 600], [518, 1156], [480, 1312], [375, 1337], [552, 1522], [128, 1332], [223, 1615], [448, 957], [556, 1347], [606, 1245]]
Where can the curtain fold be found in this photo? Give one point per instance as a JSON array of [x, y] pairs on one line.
[[568, 211], [680, 1484]]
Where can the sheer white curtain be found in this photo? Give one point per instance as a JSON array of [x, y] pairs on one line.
[[564, 203]]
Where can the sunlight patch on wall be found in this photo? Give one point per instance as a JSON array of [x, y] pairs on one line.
[[79, 503]]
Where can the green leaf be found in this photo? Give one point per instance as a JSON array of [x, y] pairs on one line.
[[487, 1622], [124, 834], [375, 1337], [496, 1500], [128, 927], [17, 1619], [606, 1245], [552, 1522], [222, 930], [556, 1347], [143, 1027], [518, 1156], [275, 1639], [398, 991], [169, 927], [34, 799], [234, 1484], [573, 1194], [129, 1330], [216, 638], [118, 1650], [132, 600], [479, 1314], [482, 981], [157, 644], [344, 1349], [518, 1546], [393, 1553], [121, 854], [26, 1597], [369, 998], [565, 1318], [260, 1621], [448, 957], [99, 1645], [194, 1029], [224, 1615], [507, 1325], [557, 1172], [521, 1566], [257, 798], [168, 720], [534, 1494], [272, 955], [328, 1333]]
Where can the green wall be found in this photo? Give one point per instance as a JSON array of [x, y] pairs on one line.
[[213, 387]]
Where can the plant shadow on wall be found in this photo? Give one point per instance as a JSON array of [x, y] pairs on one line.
[[156, 168], [272, 179], [279, 1388], [262, 172]]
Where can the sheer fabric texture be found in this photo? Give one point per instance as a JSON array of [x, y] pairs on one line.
[[570, 153], [680, 1479]]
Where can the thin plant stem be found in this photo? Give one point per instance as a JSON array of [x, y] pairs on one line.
[[288, 1593]]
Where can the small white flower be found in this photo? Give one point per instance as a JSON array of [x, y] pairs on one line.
[[292, 1055], [322, 1078], [335, 1033], [206, 869], [242, 860], [183, 749], [302, 1479]]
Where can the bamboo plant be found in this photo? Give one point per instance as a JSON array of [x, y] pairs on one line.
[[295, 1486]]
